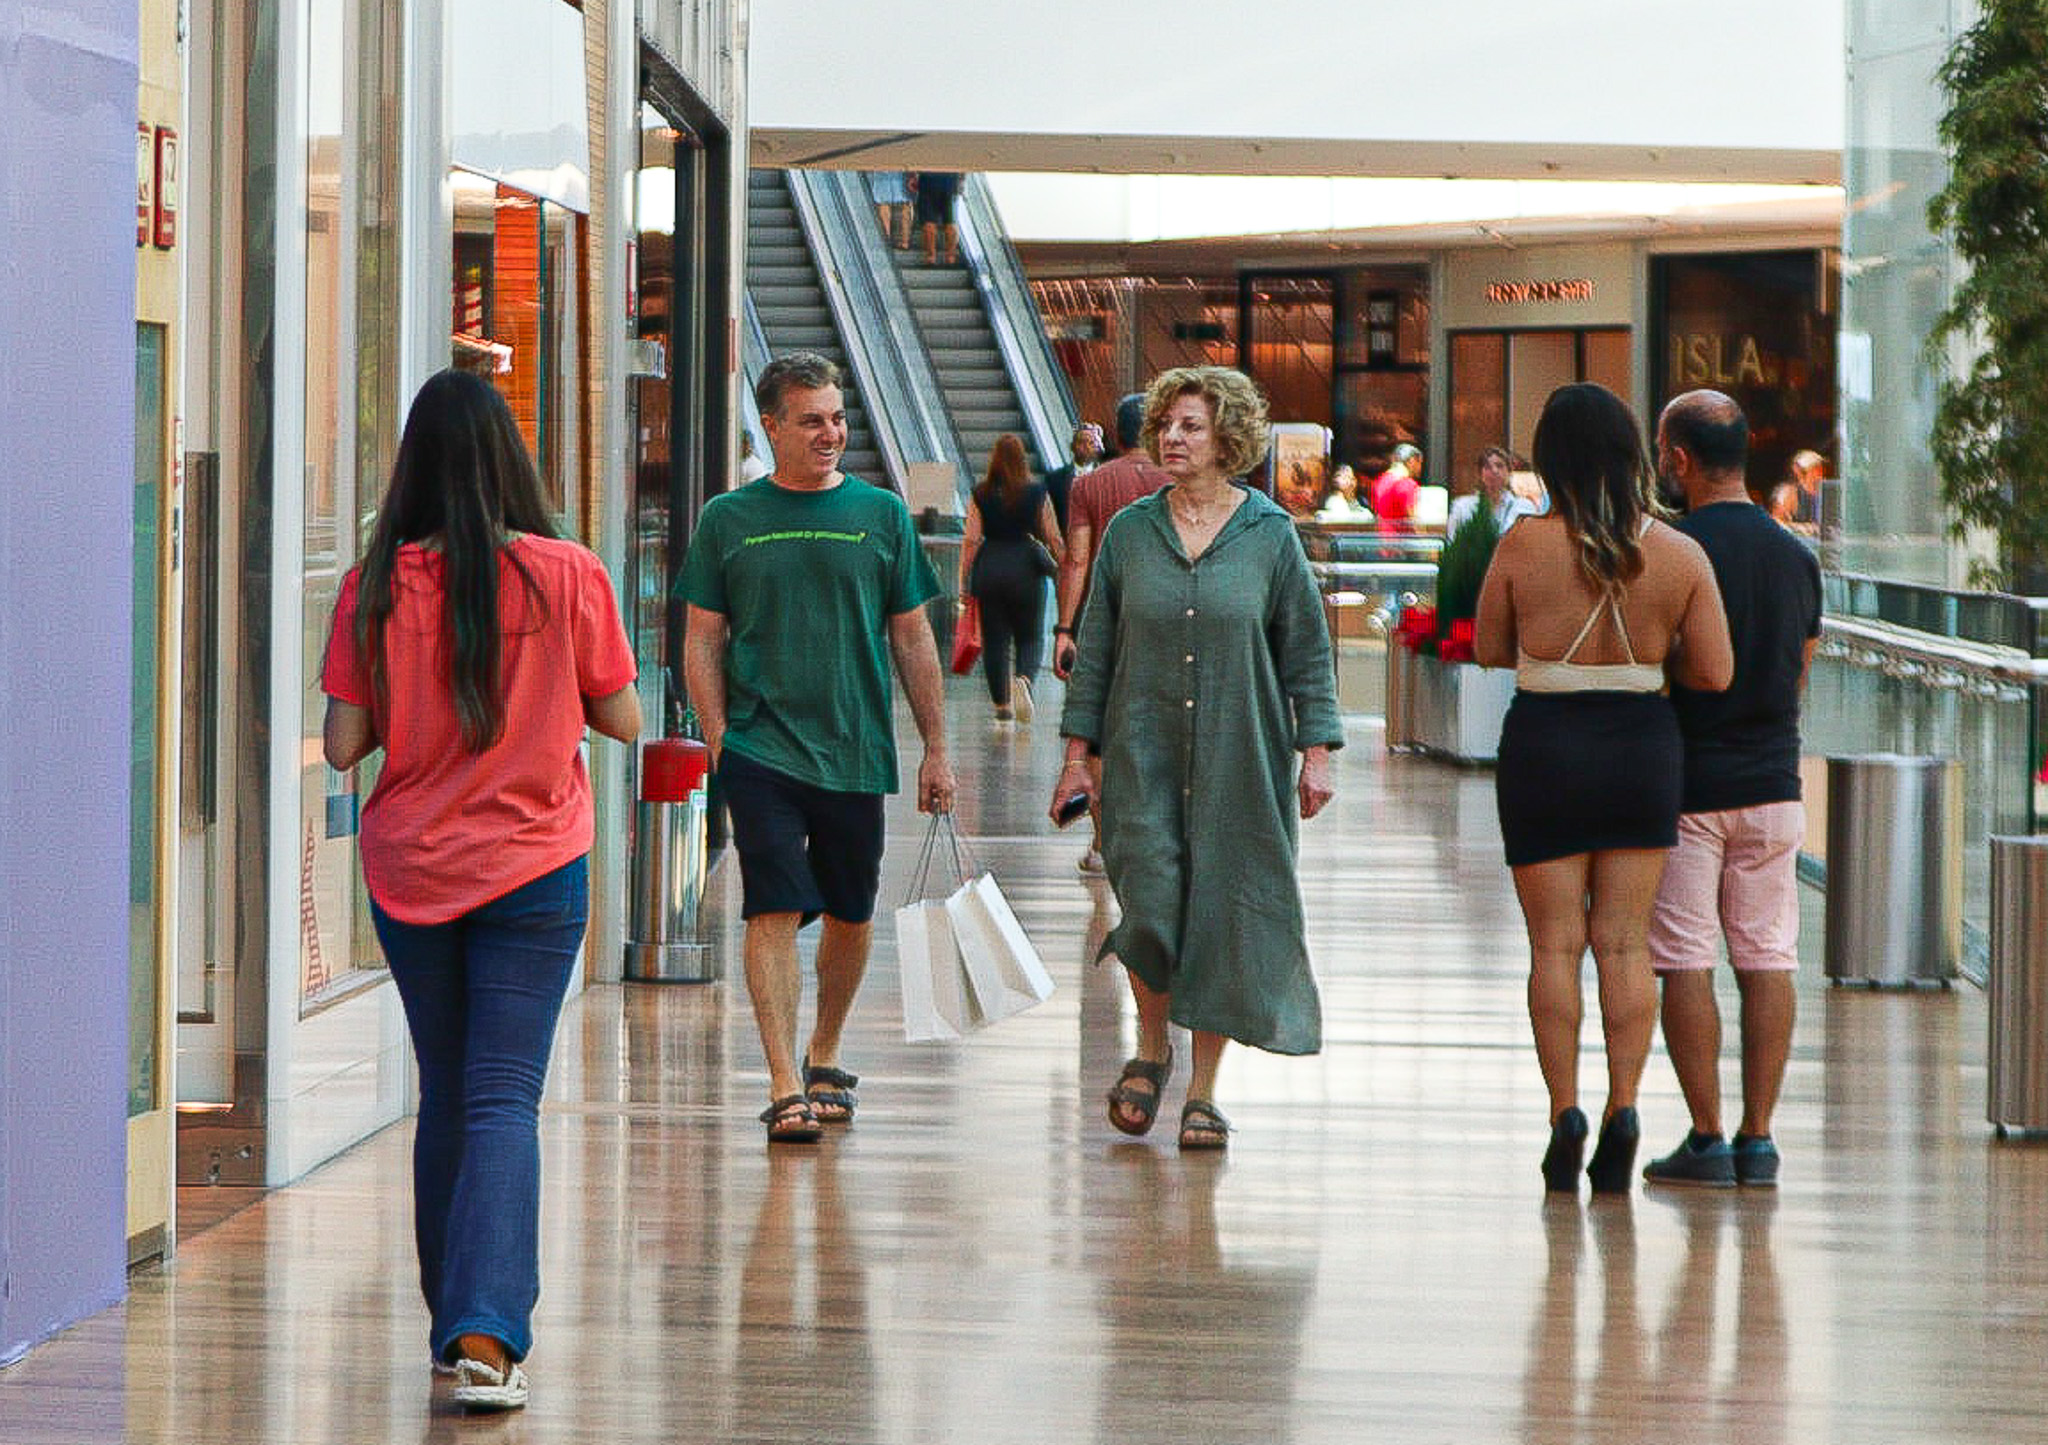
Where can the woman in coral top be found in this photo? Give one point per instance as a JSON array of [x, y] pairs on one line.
[[474, 645]]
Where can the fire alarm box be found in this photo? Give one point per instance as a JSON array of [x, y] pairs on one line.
[[166, 229], [145, 180]]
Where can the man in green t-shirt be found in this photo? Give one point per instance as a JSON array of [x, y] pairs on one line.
[[802, 588]]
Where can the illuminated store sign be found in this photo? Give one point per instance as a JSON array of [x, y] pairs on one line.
[[1526, 293]]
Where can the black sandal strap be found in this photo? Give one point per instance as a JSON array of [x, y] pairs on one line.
[[824, 1074], [1153, 1073], [796, 1104]]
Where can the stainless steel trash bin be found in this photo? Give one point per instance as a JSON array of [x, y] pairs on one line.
[[2018, 1053], [1895, 869], [668, 866]]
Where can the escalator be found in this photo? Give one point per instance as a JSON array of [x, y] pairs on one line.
[[950, 316], [941, 360], [789, 301]]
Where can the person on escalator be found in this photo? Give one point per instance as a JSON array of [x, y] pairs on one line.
[[937, 193]]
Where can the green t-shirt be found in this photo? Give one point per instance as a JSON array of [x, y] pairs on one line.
[[807, 583]]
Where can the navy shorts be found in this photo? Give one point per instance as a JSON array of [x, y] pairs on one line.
[[802, 849]]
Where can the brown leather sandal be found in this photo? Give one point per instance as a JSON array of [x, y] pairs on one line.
[[1146, 1106], [1201, 1127]]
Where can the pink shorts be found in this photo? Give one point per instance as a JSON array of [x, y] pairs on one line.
[[1733, 873]]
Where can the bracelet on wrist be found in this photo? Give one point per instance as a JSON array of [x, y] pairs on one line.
[[1073, 763], [1063, 631]]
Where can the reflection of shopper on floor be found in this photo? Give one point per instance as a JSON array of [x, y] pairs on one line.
[[1734, 873], [937, 194], [1010, 548], [474, 644], [1205, 680], [802, 588]]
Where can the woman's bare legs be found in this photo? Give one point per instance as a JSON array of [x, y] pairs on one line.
[[1152, 1037], [1624, 890], [1553, 896], [1602, 899], [1208, 1056]]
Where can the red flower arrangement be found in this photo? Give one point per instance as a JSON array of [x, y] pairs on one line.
[[1416, 630], [1457, 643]]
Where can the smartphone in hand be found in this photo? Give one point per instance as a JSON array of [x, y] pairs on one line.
[[1072, 808]]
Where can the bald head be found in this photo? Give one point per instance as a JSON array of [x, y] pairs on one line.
[[1710, 426]]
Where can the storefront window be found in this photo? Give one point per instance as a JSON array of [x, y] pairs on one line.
[[1759, 326], [1500, 380], [352, 420], [1289, 344], [144, 995], [653, 298], [519, 263], [1382, 372]]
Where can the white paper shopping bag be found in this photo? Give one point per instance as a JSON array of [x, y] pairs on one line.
[[1004, 970], [936, 1001]]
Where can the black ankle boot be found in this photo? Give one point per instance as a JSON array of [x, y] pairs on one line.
[[1567, 1147], [1613, 1169]]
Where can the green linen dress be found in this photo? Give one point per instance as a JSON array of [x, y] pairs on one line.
[[1199, 682]]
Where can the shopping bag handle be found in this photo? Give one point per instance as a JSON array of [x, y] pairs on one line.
[[957, 857]]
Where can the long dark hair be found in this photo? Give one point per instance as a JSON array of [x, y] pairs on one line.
[[1589, 453], [463, 477], [1008, 475]]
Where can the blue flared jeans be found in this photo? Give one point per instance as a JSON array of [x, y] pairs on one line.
[[482, 994]]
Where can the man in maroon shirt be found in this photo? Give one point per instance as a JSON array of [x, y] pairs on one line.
[[1095, 498]]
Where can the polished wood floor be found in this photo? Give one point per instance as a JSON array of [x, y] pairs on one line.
[[980, 1259]]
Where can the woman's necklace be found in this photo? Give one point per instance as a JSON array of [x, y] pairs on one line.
[[1195, 515]]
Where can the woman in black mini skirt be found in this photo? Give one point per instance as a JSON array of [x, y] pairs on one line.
[[1594, 607]]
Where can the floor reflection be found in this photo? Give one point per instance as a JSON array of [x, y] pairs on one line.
[[1200, 1342], [804, 1368], [1714, 1362]]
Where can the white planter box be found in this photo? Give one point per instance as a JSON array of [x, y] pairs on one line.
[[1453, 709]]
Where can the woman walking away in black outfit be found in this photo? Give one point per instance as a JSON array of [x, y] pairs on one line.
[[1011, 547]]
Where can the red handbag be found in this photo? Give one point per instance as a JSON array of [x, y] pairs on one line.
[[967, 636]]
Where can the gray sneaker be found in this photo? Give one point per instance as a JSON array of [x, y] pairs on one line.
[[1704, 1161], [1756, 1161]]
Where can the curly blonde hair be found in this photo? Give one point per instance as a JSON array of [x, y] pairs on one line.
[[1235, 402]]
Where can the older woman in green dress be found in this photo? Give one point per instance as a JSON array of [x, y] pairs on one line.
[[1204, 680]]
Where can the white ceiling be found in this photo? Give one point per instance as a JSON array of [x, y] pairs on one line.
[[1231, 156]]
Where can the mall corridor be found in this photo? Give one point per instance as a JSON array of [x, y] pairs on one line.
[[981, 1259]]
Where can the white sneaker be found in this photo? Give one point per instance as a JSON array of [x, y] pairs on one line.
[[1091, 862], [479, 1387], [1020, 698]]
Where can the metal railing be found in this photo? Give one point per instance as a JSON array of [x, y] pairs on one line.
[[1041, 385], [1885, 686]]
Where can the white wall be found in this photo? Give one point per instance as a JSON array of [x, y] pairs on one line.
[[1662, 78]]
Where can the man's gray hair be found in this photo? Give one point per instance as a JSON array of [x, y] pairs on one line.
[[801, 370]]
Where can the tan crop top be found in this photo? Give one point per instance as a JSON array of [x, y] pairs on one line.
[[1539, 674]]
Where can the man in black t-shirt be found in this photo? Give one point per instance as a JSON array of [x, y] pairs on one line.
[[1734, 871]]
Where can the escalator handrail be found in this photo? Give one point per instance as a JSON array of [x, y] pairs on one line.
[[754, 358], [1041, 386], [892, 321]]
